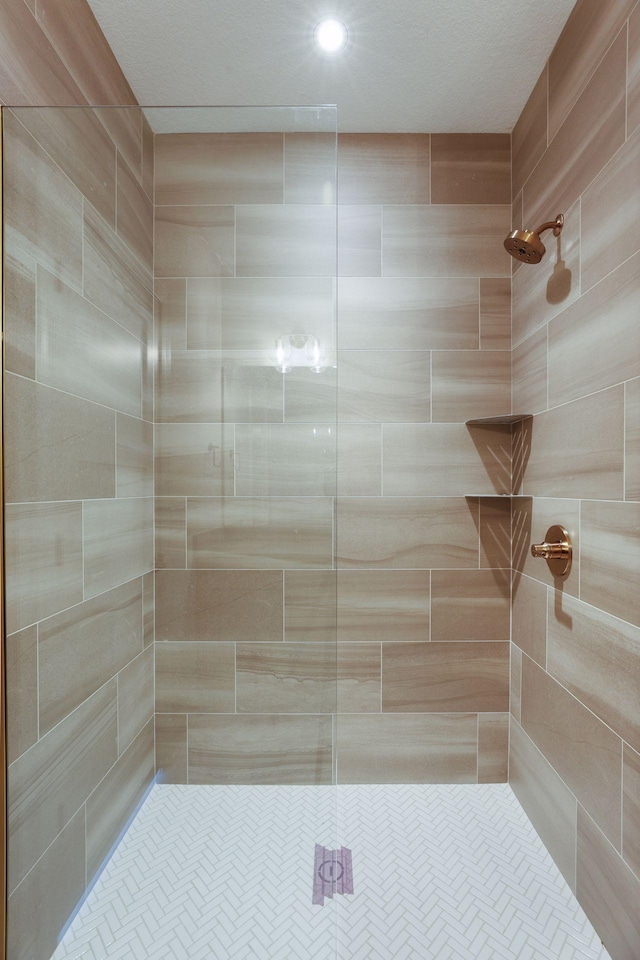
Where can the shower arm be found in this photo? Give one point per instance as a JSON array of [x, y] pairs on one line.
[[555, 225]]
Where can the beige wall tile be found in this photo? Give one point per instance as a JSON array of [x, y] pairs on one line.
[[49, 895], [440, 459], [597, 658], [134, 219], [610, 559], [117, 542], [383, 605], [382, 385], [50, 782], [134, 457], [211, 168], [359, 678], [124, 126], [588, 137], [218, 605], [42, 208], [148, 158], [22, 691], [259, 532], [284, 459], [286, 677], [406, 532], [470, 383], [610, 212], [57, 447], [495, 532], [84, 647], [531, 520], [170, 302], [43, 556], [148, 607], [632, 440], [584, 356], [445, 240], [517, 221], [170, 526], [292, 240], [493, 747], [470, 168], [81, 351], [193, 459], [171, 747], [631, 808], [194, 241], [114, 801], [413, 313], [262, 749], [19, 312], [310, 396], [310, 605], [470, 604], [529, 616], [633, 72], [589, 435], [310, 167], [383, 168], [515, 687], [407, 748], [359, 241], [136, 705], [546, 799], [607, 891], [529, 374], [583, 751], [439, 678], [495, 314], [590, 30], [359, 461], [529, 136], [195, 677]]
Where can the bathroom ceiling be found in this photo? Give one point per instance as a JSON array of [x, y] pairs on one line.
[[410, 65]]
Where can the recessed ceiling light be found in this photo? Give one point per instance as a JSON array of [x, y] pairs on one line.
[[331, 36]]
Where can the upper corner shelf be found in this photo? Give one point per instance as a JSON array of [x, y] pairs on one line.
[[507, 418]]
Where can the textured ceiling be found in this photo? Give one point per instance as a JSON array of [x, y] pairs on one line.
[[410, 66]]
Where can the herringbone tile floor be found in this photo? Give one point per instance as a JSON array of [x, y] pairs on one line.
[[447, 872]]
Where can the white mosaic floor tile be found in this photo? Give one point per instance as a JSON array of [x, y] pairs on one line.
[[451, 872]]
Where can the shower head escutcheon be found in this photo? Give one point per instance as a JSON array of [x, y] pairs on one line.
[[526, 245]]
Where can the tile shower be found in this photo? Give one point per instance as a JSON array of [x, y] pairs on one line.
[[236, 579]]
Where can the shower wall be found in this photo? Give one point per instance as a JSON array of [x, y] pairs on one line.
[[575, 728], [244, 250]]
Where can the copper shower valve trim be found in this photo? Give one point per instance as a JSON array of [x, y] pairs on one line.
[[556, 549]]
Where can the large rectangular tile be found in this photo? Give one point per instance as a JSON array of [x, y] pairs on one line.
[[262, 749], [285, 459], [134, 457], [21, 653], [359, 240], [170, 530], [633, 71], [170, 316], [546, 800], [19, 312], [610, 559], [383, 168], [194, 241], [470, 604], [383, 605], [115, 800], [292, 240], [470, 168], [218, 605], [590, 134], [57, 447], [43, 557], [193, 459], [381, 385], [493, 747], [359, 678], [148, 158], [445, 240], [409, 748], [81, 351], [529, 616], [310, 167], [441, 677], [311, 396], [148, 607], [359, 462], [209, 168], [529, 374], [259, 532], [51, 781], [495, 313], [631, 807], [134, 216], [495, 532], [82, 648], [632, 440], [118, 542], [470, 383], [171, 747], [583, 751], [286, 677], [529, 136], [597, 658], [136, 704], [441, 459], [406, 532], [515, 684], [195, 678], [532, 517], [413, 313], [310, 605]]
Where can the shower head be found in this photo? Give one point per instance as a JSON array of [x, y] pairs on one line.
[[526, 245]]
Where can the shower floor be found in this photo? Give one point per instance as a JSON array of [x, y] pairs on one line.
[[446, 872]]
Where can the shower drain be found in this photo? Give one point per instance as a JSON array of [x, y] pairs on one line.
[[332, 873]]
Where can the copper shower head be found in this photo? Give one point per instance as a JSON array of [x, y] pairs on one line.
[[526, 245]]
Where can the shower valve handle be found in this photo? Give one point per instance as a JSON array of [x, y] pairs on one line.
[[556, 549]]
